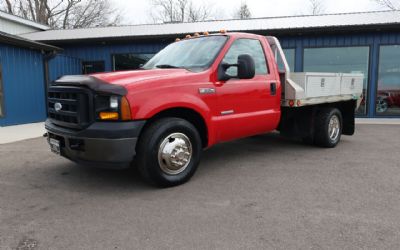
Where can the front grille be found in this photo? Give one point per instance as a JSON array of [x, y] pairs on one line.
[[70, 106]]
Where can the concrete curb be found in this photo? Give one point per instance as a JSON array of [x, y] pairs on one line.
[[378, 121]]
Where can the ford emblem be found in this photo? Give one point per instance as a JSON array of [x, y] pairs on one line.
[[57, 106]]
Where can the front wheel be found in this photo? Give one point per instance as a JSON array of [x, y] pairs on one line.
[[328, 127], [169, 152]]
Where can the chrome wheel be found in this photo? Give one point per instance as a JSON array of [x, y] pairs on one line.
[[175, 153], [334, 128], [381, 105]]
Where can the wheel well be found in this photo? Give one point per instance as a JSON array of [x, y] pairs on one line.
[[187, 114], [300, 121]]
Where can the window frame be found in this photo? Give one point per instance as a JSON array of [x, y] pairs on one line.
[[262, 48], [369, 82]]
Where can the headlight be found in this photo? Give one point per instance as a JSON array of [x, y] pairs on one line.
[[112, 108], [114, 102]]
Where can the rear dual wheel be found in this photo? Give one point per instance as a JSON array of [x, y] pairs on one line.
[[328, 127], [169, 152]]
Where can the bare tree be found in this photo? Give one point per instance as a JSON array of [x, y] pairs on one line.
[[177, 11], [243, 12], [65, 13], [390, 4], [317, 7]]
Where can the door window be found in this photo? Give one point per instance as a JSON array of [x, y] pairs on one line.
[[251, 47]]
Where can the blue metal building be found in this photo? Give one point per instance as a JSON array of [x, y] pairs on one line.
[[354, 42], [22, 80]]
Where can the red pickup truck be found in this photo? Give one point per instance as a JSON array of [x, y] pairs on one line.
[[195, 93]]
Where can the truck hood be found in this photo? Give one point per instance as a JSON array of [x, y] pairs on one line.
[[124, 78], [117, 82]]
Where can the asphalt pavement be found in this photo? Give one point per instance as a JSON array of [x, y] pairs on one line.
[[263, 192]]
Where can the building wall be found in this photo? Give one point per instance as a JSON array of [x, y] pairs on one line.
[[372, 40], [23, 85]]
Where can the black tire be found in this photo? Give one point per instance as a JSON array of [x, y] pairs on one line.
[[322, 137], [147, 159], [381, 105]]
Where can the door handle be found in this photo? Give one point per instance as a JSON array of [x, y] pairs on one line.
[[273, 88]]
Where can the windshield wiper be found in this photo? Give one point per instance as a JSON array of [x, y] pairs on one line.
[[167, 66]]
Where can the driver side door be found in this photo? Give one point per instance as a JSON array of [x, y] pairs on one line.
[[247, 107]]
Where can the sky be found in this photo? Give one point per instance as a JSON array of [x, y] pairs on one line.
[[137, 11]]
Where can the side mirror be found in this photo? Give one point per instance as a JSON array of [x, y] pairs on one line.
[[245, 68]]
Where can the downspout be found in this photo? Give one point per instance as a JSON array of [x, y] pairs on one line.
[[46, 58]]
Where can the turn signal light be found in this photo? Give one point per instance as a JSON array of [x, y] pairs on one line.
[[109, 115], [125, 110]]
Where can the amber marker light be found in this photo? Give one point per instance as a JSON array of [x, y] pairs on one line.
[[196, 34], [125, 110], [109, 115], [188, 36], [222, 31], [206, 33], [177, 40]]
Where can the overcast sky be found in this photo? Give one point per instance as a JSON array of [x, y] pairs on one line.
[[137, 11]]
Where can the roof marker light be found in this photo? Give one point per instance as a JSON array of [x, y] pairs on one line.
[[196, 34], [206, 33], [188, 36], [177, 40], [291, 103], [222, 31]]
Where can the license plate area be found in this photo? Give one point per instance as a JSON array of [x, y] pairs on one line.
[[55, 146]]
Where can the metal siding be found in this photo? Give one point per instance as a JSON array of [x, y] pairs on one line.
[[23, 82], [63, 65]]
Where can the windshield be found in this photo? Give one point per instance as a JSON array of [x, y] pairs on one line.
[[192, 54]]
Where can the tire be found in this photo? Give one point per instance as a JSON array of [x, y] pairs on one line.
[[169, 152], [381, 105], [328, 127]]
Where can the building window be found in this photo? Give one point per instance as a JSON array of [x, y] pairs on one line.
[[1, 94], [388, 94], [130, 61], [340, 60], [93, 67], [290, 58]]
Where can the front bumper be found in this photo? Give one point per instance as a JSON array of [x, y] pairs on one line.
[[102, 144]]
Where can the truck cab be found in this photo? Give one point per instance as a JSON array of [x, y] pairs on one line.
[[195, 93]]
